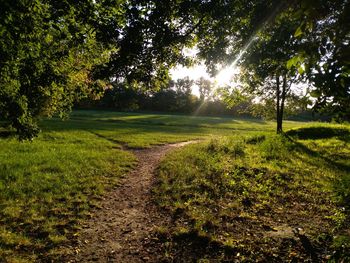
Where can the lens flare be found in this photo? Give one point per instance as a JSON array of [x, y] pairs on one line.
[[225, 75]]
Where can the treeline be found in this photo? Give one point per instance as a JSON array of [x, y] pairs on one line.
[[176, 97]]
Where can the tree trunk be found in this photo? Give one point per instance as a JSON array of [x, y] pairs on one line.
[[278, 109], [283, 98]]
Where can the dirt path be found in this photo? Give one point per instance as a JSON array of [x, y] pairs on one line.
[[120, 230]]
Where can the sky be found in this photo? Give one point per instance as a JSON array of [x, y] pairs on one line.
[[223, 78]]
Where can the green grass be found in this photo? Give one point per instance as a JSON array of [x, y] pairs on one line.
[[48, 185], [240, 197], [144, 130]]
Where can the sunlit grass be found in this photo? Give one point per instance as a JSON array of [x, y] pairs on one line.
[[48, 185], [144, 130], [231, 197]]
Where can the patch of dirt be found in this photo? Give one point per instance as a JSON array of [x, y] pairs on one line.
[[120, 230]]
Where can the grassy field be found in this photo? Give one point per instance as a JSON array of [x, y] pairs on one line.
[[259, 198], [48, 185]]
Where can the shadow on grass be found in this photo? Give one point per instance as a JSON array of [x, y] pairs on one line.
[[315, 154], [139, 127], [161, 119], [6, 134], [123, 145], [341, 184], [128, 127], [171, 121], [320, 133], [189, 247]]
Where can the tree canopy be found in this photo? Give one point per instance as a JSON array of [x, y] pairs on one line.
[[326, 53], [280, 42], [47, 52], [54, 52]]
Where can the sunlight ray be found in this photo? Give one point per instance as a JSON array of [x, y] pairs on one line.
[[225, 75]]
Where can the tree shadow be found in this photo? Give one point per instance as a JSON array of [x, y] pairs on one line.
[[320, 133], [337, 162], [189, 247], [164, 119], [112, 125]]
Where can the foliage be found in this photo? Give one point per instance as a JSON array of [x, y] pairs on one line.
[[148, 42], [264, 56], [325, 55], [47, 53], [266, 107], [121, 97], [278, 43], [53, 53], [175, 97], [205, 89]]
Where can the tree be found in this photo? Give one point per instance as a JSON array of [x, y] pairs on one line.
[[183, 85], [185, 100], [262, 45], [47, 53], [326, 53], [267, 39], [319, 28], [265, 69], [122, 97], [150, 42], [50, 51], [205, 89]]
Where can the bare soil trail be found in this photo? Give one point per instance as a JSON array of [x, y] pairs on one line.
[[120, 229]]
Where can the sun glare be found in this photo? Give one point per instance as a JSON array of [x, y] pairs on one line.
[[226, 76], [194, 73], [223, 78]]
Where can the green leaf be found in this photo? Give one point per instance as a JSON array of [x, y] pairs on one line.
[[301, 69], [291, 63], [298, 32], [315, 93]]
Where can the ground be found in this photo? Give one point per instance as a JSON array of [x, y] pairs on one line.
[[76, 194], [121, 229]]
